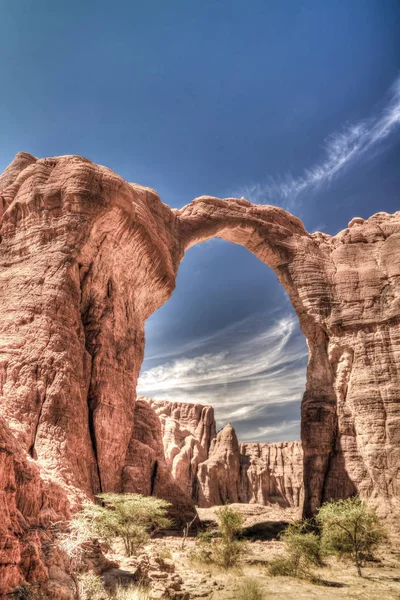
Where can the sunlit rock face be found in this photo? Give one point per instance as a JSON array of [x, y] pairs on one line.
[[146, 470], [271, 472], [214, 468], [86, 257], [255, 473], [187, 433]]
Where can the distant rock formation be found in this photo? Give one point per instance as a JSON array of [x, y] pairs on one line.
[[271, 472], [86, 258], [146, 471], [187, 433], [215, 468]]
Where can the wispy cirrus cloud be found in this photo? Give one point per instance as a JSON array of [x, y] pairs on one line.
[[242, 381], [341, 149]]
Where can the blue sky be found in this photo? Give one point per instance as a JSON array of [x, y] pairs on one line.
[[288, 102]]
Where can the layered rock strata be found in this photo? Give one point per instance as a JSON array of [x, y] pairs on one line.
[[187, 432], [86, 257], [255, 473], [146, 469]]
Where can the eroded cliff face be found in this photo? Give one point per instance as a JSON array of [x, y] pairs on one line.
[[271, 472], [187, 432], [86, 257], [254, 473], [146, 470], [30, 502], [212, 468]]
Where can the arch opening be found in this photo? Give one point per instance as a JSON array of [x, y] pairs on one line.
[[228, 337]]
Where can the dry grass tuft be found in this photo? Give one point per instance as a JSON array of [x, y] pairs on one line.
[[131, 593], [250, 589]]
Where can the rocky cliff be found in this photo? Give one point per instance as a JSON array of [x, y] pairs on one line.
[[187, 431], [214, 468], [86, 258], [146, 469], [271, 472], [261, 473]]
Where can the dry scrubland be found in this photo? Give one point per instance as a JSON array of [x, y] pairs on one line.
[[381, 579], [184, 568]]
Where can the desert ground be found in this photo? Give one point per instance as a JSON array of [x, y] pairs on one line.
[[171, 563]]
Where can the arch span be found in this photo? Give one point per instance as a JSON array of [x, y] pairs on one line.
[[280, 241], [86, 257]]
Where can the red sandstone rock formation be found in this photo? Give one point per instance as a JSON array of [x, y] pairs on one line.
[[213, 469], [271, 472], [86, 257], [250, 473], [187, 433], [29, 502], [146, 470], [219, 475]]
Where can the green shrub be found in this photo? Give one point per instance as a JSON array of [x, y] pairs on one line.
[[302, 551], [131, 517], [230, 523], [203, 549], [222, 548], [351, 530], [301, 541], [282, 566], [227, 553], [249, 590], [91, 587]]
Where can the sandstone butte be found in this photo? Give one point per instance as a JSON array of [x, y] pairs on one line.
[[85, 258]]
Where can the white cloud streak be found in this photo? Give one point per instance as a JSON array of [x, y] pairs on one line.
[[242, 375], [341, 149], [267, 368]]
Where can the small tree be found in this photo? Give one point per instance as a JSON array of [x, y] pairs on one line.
[[230, 523], [302, 551], [228, 550], [350, 529], [222, 547], [131, 517]]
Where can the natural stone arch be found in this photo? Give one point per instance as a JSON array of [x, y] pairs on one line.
[[280, 241], [345, 291], [86, 257]]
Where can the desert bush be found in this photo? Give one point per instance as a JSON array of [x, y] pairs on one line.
[[282, 566], [302, 552], [230, 523], [91, 587], [351, 530], [222, 547], [249, 590], [301, 541], [227, 553], [131, 517], [228, 550], [131, 593], [203, 549]]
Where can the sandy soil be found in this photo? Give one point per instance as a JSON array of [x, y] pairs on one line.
[[381, 580]]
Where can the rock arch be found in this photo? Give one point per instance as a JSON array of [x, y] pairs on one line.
[[86, 257]]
